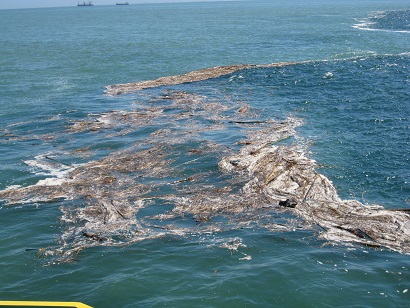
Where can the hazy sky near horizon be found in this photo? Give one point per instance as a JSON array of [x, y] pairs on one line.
[[15, 4]]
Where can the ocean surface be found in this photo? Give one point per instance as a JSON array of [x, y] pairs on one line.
[[346, 80]]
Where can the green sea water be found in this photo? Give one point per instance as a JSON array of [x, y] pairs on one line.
[[349, 85]]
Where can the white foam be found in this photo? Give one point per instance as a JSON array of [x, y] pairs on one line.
[[47, 166], [55, 171], [246, 257], [105, 119], [10, 187], [328, 75], [52, 182]]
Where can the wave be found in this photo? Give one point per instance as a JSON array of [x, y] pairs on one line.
[[391, 21]]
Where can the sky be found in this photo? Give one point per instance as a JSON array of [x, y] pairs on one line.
[[16, 4]]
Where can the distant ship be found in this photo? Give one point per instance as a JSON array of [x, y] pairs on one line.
[[85, 4], [124, 3]]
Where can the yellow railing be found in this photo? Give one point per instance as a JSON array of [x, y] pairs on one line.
[[43, 304]]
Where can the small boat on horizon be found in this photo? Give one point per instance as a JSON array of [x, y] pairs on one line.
[[85, 4], [123, 3]]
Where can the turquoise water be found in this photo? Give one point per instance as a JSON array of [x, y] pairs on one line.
[[349, 86]]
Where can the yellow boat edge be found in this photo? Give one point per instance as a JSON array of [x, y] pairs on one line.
[[43, 304]]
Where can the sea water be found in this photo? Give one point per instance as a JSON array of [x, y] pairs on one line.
[[349, 84]]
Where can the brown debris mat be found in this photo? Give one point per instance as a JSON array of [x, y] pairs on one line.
[[176, 181], [285, 176], [193, 76]]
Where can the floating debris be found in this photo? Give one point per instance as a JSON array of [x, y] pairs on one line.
[[173, 80], [178, 180], [193, 76], [285, 173]]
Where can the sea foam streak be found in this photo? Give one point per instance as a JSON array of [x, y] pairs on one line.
[[180, 180]]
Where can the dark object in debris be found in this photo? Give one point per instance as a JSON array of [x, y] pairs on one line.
[[247, 122], [288, 203], [358, 232], [196, 151], [402, 210], [59, 162], [234, 162], [95, 237], [188, 179]]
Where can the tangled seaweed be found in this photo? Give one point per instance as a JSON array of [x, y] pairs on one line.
[[178, 179]]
